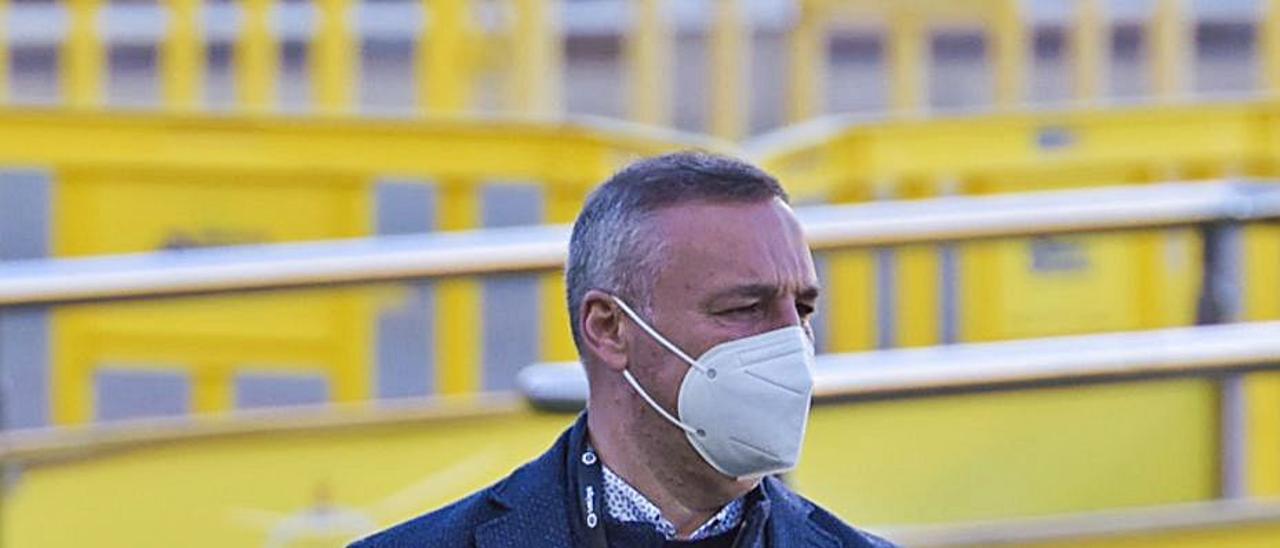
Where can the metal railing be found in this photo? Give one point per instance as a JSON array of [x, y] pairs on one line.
[[1218, 351], [1223, 352], [1218, 209], [307, 179], [847, 160], [1212, 206], [457, 41]]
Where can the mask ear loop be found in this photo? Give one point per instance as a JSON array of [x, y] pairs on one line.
[[695, 431], [661, 340], [626, 373]]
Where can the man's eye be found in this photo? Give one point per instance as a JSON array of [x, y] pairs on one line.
[[805, 310], [746, 309]]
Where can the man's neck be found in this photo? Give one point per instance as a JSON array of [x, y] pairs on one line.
[[680, 502]]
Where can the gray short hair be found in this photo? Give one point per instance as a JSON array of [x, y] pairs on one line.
[[609, 249]]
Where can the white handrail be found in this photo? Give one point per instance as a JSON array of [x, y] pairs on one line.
[[1054, 361], [529, 249]]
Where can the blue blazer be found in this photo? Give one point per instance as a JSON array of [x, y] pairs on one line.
[[532, 508]]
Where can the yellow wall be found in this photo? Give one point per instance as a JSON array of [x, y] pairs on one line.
[[233, 491], [988, 456], [932, 460], [1251, 535], [104, 210], [147, 181]]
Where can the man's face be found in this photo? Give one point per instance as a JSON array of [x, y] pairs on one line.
[[727, 271]]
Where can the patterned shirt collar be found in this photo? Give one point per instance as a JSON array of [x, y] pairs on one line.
[[624, 503]]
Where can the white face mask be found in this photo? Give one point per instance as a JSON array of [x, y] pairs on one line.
[[744, 403]]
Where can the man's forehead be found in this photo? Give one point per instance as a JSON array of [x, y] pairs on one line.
[[688, 220], [749, 248], [730, 229]]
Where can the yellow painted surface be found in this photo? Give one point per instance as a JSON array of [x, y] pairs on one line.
[[918, 297], [257, 57], [83, 56], [1090, 49], [237, 491], [1004, 153], [927, 461], [1269, 46], [1262, 272], [120, 211], [445, 57], [182, 56], [453, 53], [177, 208], [438, 147], [1262, 302], [1009, 53], [807, 44], [127, 183], [730, 89], [1064, 285], [457, 338], [649, 62], [556, 337], [1168, 35], [1262, 391], [917, 276], [539, 58], [1250, 535], [1076, 284], [332, 57], [212, 390], [851, 311], [5, 58], [1060, 146], [908, 92], [961, 458], [1054, 286]]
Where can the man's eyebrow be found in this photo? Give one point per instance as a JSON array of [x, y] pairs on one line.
[[809, 292], [745, 290]]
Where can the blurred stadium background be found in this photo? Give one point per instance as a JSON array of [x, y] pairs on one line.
[[177, 371]]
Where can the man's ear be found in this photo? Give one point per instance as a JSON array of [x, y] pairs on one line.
[[602, 329]]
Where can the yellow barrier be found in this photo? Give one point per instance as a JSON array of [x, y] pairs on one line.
[[907, 462], [257, 57], [142, 182], [1053, 285], [117, 210], [83, 55], [1135, 281], [183, 56], [247, 179], [526, 49], [251, 179], [4, 51]]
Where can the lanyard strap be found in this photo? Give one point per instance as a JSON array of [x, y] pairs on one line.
[[590, 494]]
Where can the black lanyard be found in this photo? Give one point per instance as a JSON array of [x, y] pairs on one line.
[[589, 490]]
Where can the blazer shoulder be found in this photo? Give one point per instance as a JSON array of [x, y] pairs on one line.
[[452, 525], [455, 524], [848, 535]]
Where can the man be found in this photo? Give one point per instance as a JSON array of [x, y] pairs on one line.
[[690, 292]]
